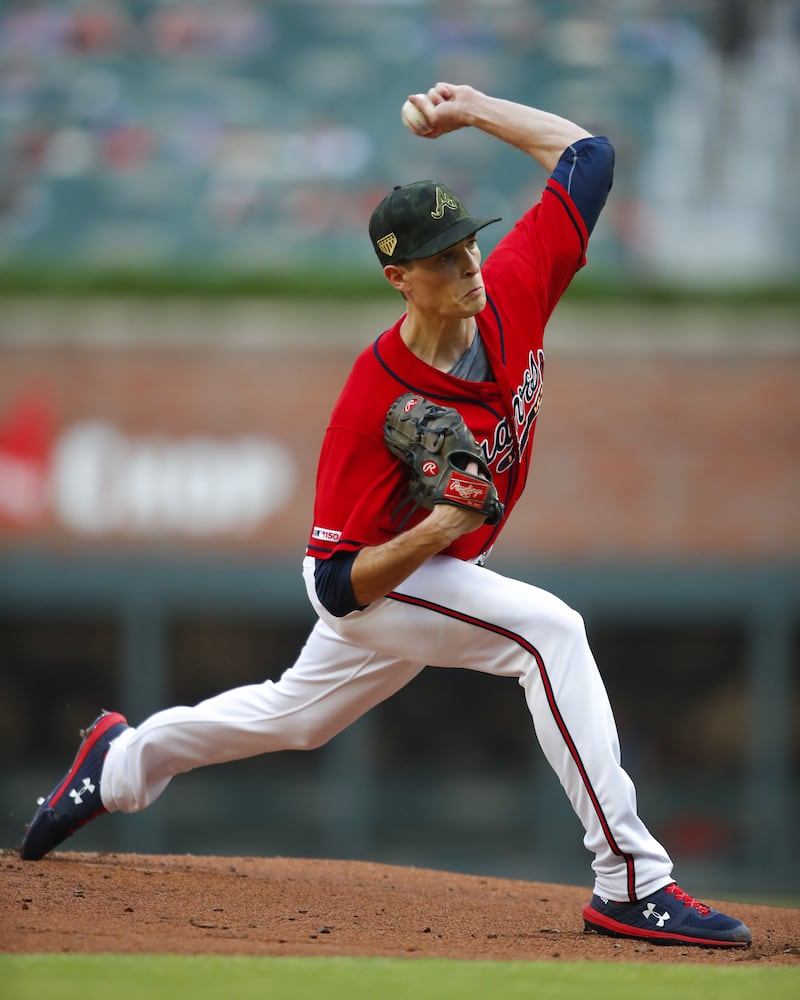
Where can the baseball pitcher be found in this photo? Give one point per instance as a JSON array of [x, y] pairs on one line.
[[426, 454]]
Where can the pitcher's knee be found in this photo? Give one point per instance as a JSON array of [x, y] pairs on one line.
[[308, 737], [573, 622], [563, 622]]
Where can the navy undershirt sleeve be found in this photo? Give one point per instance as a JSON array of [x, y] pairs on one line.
[[586, 170], [333, 586]]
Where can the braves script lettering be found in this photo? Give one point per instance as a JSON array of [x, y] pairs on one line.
[[525, 405]]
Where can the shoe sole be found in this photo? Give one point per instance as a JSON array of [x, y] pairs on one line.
[[600, 924]]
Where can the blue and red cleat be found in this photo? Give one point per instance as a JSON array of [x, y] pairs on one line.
[[76, 798], [669, 916]]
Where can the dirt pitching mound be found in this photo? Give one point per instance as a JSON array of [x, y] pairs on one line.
[[180, 904]]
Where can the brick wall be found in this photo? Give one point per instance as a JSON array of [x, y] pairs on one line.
[[678, 454], [683, 456]]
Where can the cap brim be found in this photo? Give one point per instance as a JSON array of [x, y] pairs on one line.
[[459, 231]]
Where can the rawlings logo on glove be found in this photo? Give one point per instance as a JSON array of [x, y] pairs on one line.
[[465, 492], [437, 446]]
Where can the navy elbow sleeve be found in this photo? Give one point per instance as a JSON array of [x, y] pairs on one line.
[[586, 171], [333, 585]]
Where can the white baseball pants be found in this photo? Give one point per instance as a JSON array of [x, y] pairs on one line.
[[449, 614]]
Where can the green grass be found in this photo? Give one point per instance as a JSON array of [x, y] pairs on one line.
[[330, 282], [84, 977]]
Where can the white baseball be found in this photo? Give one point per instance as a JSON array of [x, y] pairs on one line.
[[413, 118]]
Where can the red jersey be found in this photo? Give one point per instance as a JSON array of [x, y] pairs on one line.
[[361, 486]]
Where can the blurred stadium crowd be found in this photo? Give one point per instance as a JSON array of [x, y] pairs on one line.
[[260, 134]]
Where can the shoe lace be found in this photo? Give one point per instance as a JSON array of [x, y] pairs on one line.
[[675, 890]]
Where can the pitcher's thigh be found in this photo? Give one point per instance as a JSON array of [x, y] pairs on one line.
[[333, 682], [451, 613]]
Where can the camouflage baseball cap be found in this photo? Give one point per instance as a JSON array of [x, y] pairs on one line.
[[418, 220]]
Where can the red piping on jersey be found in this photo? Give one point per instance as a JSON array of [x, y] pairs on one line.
[[551, 700]]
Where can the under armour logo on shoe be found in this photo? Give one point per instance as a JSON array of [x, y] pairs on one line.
[[76, 793], [650, 911]]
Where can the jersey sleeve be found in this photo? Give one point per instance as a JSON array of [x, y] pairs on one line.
[[539, 257]]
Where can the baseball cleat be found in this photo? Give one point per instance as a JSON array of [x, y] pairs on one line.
[[76, 798], [669, 916]]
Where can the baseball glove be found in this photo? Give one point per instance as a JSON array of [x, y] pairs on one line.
[[436, 444]]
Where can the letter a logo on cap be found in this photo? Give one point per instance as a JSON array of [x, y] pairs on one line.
[[387, 244], [443, 200]]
